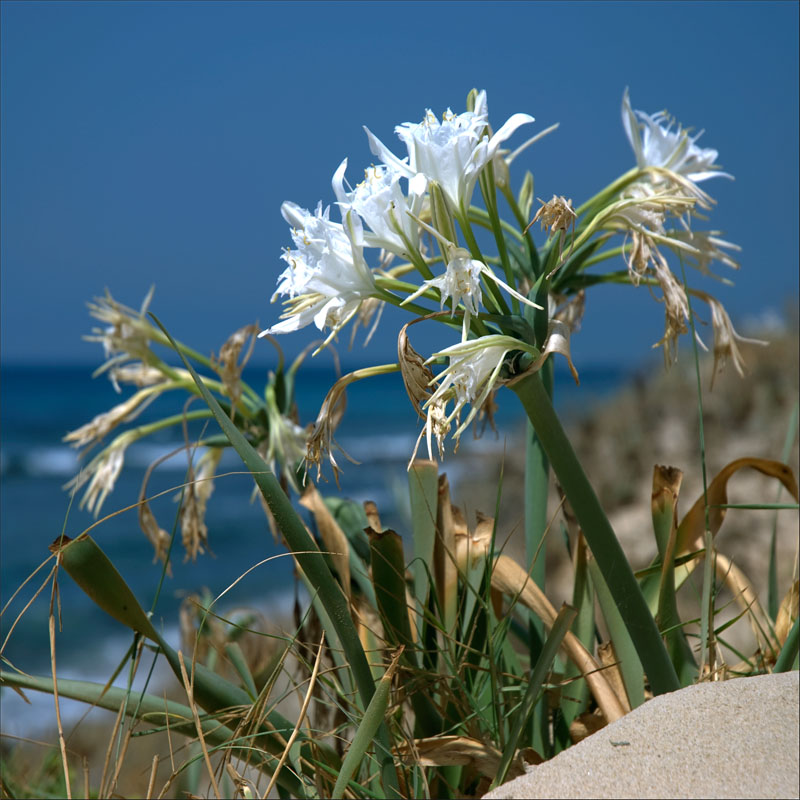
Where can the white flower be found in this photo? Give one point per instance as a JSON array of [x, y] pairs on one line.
[[127, 333], [707, 247], [461, 280], [103, 470], [287, 442], [472, 373], [452, 152], [93, 431], [327, 277], [726, 340], [657, 143], [381, 204]]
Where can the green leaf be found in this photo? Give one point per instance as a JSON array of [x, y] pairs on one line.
[[600, 536], [789, 652], [370, 723], [423, 487], [543, 665], [388, 578]]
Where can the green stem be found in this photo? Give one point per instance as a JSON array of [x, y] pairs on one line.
[[599, 534], [393, 299], [610, 190], [491, 289], [481, 217], [490, 198]]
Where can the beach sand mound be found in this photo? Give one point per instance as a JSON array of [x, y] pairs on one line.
[[736, 738]]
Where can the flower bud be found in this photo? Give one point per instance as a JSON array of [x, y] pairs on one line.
[[441, 216]]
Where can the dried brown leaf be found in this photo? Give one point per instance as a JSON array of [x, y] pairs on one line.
[[458, 751], [608, 658], [692, 528], [333, 537], [746, 597], [510, 578], [787, 613], [417, 376]]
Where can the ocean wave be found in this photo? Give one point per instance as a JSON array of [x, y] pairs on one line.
[[62, 461]]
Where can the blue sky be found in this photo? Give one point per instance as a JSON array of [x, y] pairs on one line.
[[154, 143]]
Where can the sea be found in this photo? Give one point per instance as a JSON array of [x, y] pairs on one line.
[[40, 404]]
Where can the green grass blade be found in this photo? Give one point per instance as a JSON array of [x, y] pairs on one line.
[[84, 561], [370, 723], [543, 665], [600, 536], [236, 657], [629, 663], [789, 651], [584, 629], [388, 577], [300, 542], [423, 487], [537, 484]]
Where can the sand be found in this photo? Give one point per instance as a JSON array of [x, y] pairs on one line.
[[737, 738]]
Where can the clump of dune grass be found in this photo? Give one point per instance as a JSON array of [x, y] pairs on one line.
[[428, 662]]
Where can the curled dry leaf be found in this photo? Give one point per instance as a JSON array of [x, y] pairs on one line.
[[416, 376], [510, 578], [585, 725], [458, 751], [373, 517], [557, 341], [470, 547], [691, 531]]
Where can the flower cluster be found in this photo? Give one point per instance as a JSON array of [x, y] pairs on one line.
[[410, 235], [337, 269]]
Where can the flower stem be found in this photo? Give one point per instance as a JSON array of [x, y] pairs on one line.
[[599, 534], [609, 191]]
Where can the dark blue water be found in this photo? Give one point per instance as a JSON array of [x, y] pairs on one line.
[[38, 405]]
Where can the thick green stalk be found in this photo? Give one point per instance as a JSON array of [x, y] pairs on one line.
[[599, 535], [537, 481]]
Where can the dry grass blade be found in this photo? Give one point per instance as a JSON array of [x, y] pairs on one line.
[[787, 613], [608, 658], [152, 782], [746, 597], [444, 553], [54, 601], [190, 696], [332, 535], [301, 717], [103, 791], [510, 578], [457, 751]]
